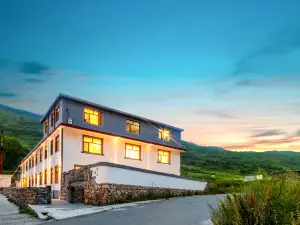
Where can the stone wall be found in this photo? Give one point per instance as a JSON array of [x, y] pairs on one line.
[[103, 194], [30, 195], [72, 183]]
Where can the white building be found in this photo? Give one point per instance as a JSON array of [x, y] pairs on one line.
[[77, 132]]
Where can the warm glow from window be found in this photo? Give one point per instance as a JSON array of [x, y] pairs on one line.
[[57, 110], [164, 134], [57, 143], [46, 126], [92, 116], [45, 177], [132, 151], [51, 175], [164, 156], [92, 145], [76, 167], [57, 174], [132, 127], [41, 178]]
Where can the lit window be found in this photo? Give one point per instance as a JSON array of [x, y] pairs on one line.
[[51, 175], [92, 145], [92, 116], [41, 178], [164, 134], [164, 156], [132, 151], [57, 110], [36, 158], [36, 176], [57, 143], [52, 119], [56, 174], [46, 150], [46, 126], [45, 177], [132, 127], [76, 167]]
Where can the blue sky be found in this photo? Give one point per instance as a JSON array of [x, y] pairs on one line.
[[228, 72]]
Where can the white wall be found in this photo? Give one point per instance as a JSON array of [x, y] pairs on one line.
[[114, 152], [5, 180], [107, 174], [46, 164]]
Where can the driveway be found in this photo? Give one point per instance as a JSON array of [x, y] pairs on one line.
[[9, 214], [192, 210]]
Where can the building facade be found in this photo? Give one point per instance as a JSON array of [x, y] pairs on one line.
[[78, 132]]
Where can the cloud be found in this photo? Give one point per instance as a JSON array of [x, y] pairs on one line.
[[297, 133], [215, 113], [268, 133], [282, 42], [7, 95], [34, 80], [33, 68]]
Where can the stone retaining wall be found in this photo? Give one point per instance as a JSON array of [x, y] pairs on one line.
[[31, 195], [103, 194]]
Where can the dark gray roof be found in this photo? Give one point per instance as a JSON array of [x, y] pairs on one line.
[[60, 96]]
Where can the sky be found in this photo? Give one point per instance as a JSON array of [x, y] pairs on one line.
[[227, 72]]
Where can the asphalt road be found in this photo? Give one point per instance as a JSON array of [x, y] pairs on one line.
[[192, 210]]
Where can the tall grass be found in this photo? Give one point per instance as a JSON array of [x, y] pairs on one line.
[[266, 202]]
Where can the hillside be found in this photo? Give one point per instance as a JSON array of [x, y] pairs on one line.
[[199, 162], [23, 125], [202, 162]]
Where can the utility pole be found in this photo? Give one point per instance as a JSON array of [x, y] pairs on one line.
[[1, 151]]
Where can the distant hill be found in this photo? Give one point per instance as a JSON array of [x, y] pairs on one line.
[[203, 162], [23, 125], [199, 162]]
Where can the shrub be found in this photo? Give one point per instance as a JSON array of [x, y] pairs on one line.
[[265, 202]]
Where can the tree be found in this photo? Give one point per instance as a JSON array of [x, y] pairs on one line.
[[14, 152]]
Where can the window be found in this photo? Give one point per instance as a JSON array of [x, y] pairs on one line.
[[51, 147], [132, 151], [164, 157], [57, 110], [46, 126], [51, 175], [92, 145], [33, 179], [45, 177], [29, 164], [41, 178], [36, 179], [46, 150], [164, 134], [56, 174], [52, 119], [132, 127], [36, 158], [92, 116], [32, 161], [41, 155], [57, 143], [76, 167]]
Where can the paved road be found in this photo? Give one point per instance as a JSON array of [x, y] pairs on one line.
[[192, 210], [9, 214]]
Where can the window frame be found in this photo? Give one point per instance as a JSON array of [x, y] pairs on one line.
[[161, 138], [100, 116], [51, 147], [46, 126], [52, 119], [51, 175], [57, 113], [41, 178], [57, 143], [56, 181], [161, 150], [46, 151], [140, 155], [134, 121], [41, 154], [45, 177], [88, 136]]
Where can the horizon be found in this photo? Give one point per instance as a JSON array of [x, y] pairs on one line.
[[228, 74]]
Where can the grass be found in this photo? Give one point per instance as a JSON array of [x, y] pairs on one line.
[[266, 202], [28, 211]]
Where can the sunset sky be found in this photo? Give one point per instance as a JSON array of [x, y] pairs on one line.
[[227, 72]]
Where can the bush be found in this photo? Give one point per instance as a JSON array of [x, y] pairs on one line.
[[265, 202]]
